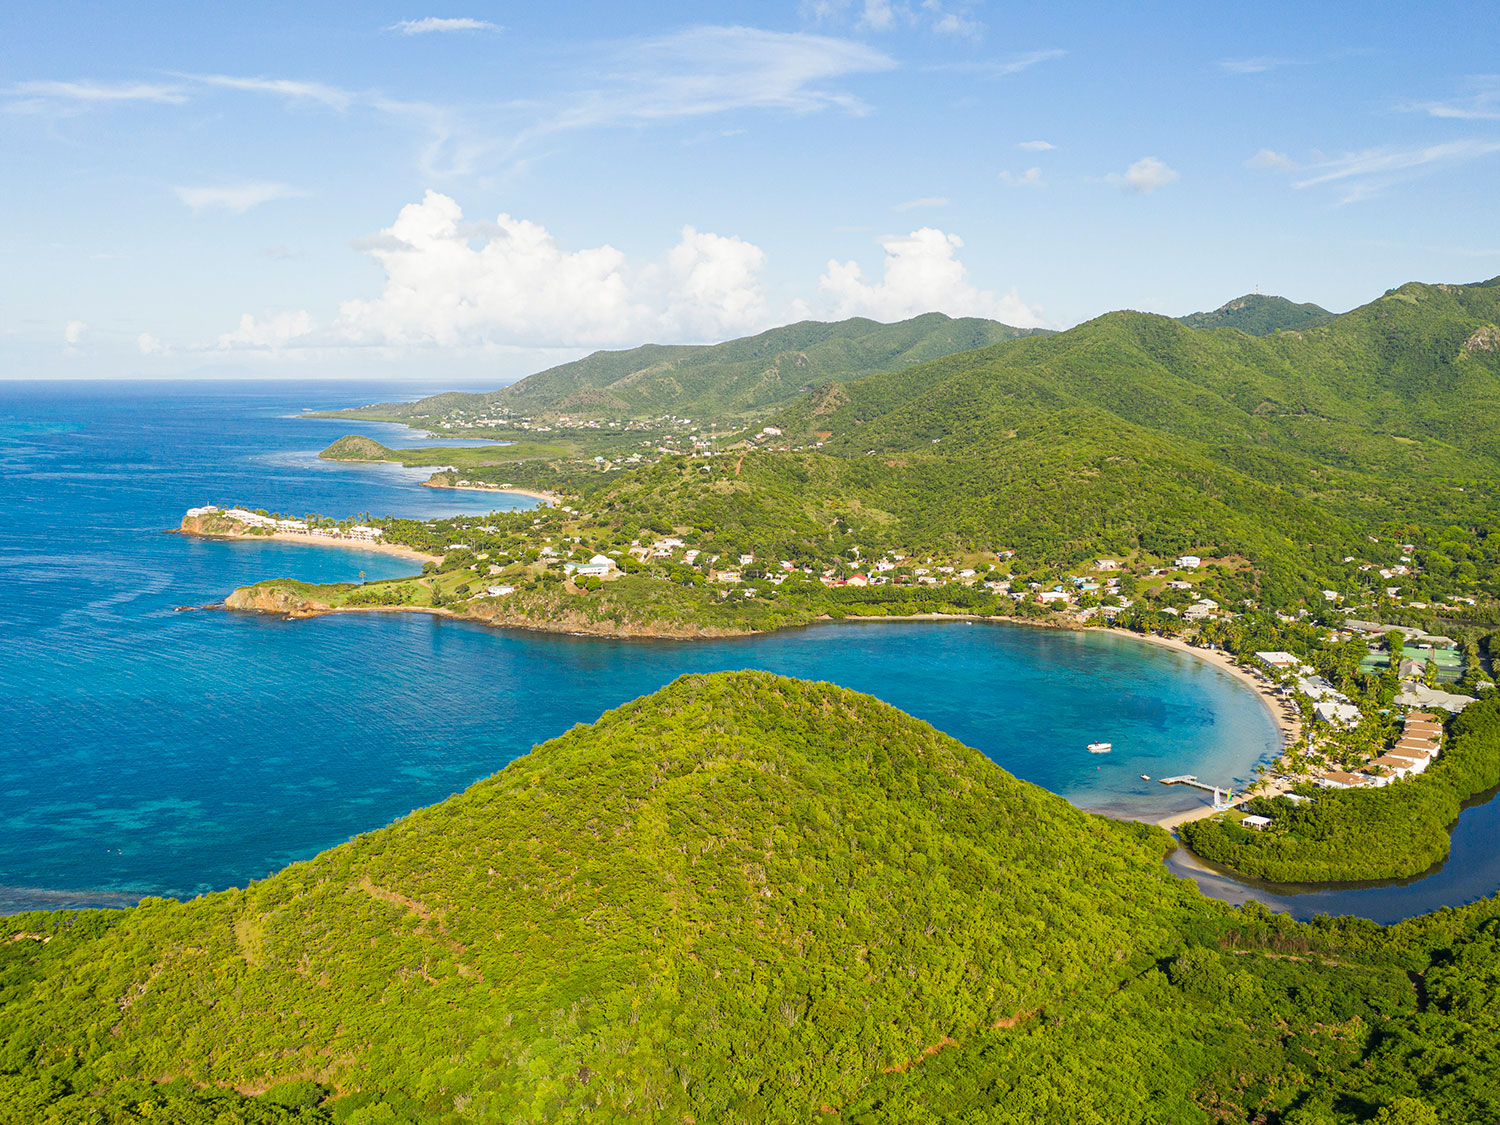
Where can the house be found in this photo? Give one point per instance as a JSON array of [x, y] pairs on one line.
[[1278, 660], [1415, 763], [1050, 597], [1334, 713], [1397, 766], [1411, 669], [1258, 823], [500, 591], [600, 566], [1188, 562], [731, 576], [1106, 564], [857, 580], [1340, 779]]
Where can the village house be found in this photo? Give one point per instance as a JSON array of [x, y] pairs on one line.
[[1258, 823]]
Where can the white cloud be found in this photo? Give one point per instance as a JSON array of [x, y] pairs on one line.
[[1036, 146], [945, 22], [1483, 104], [1367, 173], [921, 273], [1144, 176], [149, 344], [271, 333], [237, 198], [452, 284], [878, 15], [75, 333], [65, 99], [1258, 65], [1270, 160], [717, 69], [1032, 177], [289, 88], [1001, 67], [438, 24], [90, 91], [926, 201]]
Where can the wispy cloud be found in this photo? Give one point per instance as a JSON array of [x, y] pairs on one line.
[[927, 201], [289, 88], [710, 70], [1258, 65], [1144, 176], [238, 198], [75, 97], [1363, 174], [998, 68], [1032, 177], [1482, 103], [1270, 160], [1036, 146], [432, 24]]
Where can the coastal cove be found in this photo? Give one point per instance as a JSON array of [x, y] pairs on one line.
[[169, 754]]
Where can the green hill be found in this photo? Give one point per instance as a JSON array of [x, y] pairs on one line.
[[721, 381], [1257, 314], [741, 899]]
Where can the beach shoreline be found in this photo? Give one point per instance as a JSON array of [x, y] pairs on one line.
[[314, 540], [531, 493]]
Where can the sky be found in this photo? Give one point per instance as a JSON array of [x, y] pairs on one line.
[[476, 191]]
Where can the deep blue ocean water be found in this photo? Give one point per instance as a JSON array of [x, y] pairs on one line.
[[149, 751]]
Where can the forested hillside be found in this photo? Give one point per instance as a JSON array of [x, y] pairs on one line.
[[742, 899], [723, 381], [1257, 314]]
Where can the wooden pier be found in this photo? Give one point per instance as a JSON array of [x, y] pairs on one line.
[[1223, 795]]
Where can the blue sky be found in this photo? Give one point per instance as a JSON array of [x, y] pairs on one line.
[[480, 190]]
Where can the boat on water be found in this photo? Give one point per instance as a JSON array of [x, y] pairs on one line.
[[1145, 777], [1101, 747]]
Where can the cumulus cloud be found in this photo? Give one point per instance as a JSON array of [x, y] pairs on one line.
[[1036, 146], [269, 333], [1032, 177], [1144, 176], [921, 273], [454, 284], [75, 333], [438, 24], [149, 344], [238, 198]]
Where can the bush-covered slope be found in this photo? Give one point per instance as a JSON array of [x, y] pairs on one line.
[[728, 380], [740, 898], [1258, 314]]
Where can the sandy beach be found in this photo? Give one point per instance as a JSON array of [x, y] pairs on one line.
[[314, 540], [535, 494]]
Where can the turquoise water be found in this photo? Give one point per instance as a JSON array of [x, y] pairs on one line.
[[148, 751]]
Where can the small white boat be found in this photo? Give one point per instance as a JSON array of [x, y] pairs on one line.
[[1145, 777], [1101, 747]]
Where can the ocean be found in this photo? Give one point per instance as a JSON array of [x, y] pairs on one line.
[[148, 751]]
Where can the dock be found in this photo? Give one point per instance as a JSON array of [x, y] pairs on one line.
[[1223, 795]]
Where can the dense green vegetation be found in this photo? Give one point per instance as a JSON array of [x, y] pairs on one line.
[[1387, 833], [1258, 314], [744, 898], [723, 381]]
